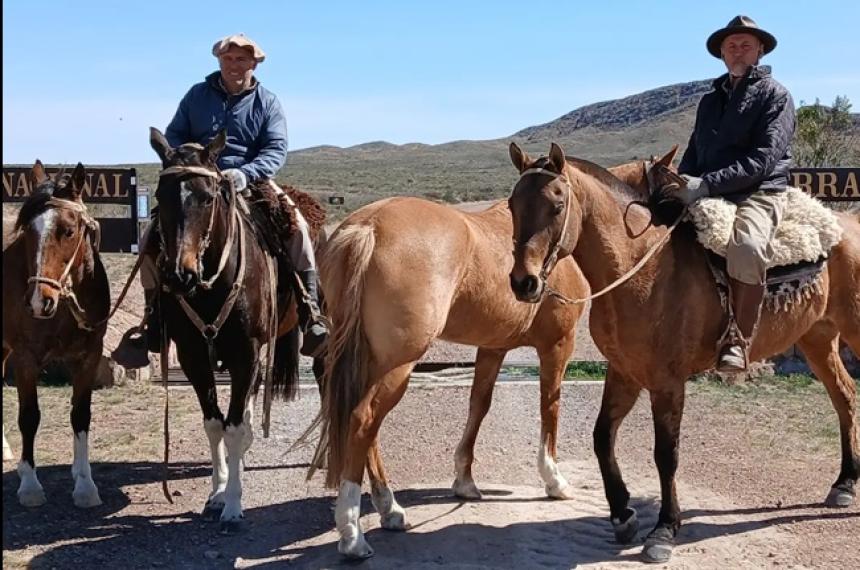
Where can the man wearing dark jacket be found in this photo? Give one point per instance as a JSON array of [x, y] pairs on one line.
[[740, 151], [232, 99]]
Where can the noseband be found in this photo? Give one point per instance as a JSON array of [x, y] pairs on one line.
[[552, 257]]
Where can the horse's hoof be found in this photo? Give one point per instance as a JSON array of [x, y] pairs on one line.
[[355, 548], [234, 526], [32, 498], [658, 546], [467, 490], [212, 512], [626, 532], [841, 496], [395, 520], [563, 493], [87, 499]]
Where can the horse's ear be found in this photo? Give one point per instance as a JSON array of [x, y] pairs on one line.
[[668, 158], [160, 145], [77, 181], [519, 157], [556, 156], [38, 174], [215, 146]]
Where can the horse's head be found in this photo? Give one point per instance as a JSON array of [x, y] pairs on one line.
[[53, 224], [547, 219], [189, 188], [637, 174]]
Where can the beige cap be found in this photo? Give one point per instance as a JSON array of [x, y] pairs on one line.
[[239, 40]]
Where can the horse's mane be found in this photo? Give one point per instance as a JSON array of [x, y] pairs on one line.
[[620, 190], [35, 205]]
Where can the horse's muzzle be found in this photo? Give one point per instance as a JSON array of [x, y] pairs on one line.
[[528, 289], [181, 281], [41, 306]]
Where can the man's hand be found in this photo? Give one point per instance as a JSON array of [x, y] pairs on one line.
[[696, 188], [237, 178]]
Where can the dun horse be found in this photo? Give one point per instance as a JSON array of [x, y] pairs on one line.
[[55, 301], [662, 325], [221, 301], [405, 272]]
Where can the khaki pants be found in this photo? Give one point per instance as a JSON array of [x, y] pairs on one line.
[[749, 249], [301, 250]]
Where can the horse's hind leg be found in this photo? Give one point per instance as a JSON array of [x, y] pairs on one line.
[[364, 425], [821, 347], [30, 492], [85, 493], [552, 366], [619, 395], [391, 514], [487, 365]]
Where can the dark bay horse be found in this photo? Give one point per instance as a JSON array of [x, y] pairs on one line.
[[400, 273], [662, 325], [221, 301], [55, 301]]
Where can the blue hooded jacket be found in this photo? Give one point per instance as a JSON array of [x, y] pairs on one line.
[[255, 123]]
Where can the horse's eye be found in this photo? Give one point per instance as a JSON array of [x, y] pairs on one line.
[[559, 208]]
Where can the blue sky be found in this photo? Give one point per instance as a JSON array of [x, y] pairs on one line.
[[83, 80]]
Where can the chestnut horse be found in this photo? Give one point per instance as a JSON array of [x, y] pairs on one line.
[[222, 299], [55, 301], [400, 273], [662, 325]]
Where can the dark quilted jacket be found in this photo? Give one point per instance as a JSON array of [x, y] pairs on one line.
[[742, 142]]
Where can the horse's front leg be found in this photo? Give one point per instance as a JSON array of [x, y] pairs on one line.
[[195, 365], [30, 491], [236, 434], [553, 363], [667, 407], [85, 493]]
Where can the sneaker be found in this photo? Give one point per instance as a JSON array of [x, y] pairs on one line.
[[315, 340]]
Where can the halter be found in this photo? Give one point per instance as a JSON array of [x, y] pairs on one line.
[[63, 285], [550, 260]]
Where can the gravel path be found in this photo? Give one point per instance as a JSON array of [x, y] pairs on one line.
[[754, 469]]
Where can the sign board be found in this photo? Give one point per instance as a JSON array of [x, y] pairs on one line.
[[829, 184], [109, 193]]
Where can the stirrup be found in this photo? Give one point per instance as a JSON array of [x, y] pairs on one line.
[[732, 359]]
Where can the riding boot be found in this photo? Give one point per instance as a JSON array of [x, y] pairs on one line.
[[746, 302], [311, 320]]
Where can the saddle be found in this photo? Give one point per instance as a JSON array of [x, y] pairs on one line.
[[801, 245]]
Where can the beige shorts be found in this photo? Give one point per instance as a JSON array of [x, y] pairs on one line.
[[749, 249]]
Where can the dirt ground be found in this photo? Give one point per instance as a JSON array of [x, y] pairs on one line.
[[756, 463]]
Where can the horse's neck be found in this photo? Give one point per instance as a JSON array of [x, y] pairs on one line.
[[604, 251], [89, 281]]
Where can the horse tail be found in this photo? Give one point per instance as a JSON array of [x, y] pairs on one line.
[[342, 272], [285, 370]]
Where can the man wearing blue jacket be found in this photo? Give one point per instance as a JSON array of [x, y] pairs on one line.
[[740, 150], [256, 149]]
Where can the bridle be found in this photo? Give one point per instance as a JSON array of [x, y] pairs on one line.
[[207, 235], [63, 285], [552, 257]]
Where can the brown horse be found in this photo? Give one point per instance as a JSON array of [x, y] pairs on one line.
[[662, 325], [404, 272], [222, 299], [55, 301]]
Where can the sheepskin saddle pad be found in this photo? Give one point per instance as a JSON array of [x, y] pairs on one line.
[[806, 233]]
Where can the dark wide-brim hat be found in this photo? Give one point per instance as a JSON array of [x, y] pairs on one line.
[[739, 25]]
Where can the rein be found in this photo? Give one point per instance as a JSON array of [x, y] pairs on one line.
[[551, 258]]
